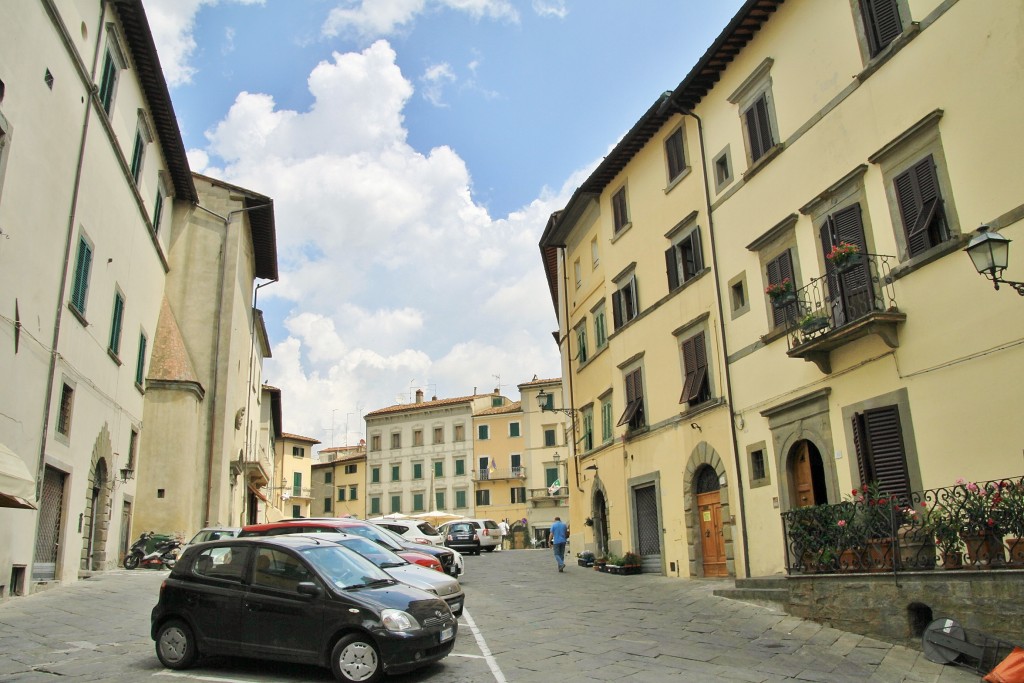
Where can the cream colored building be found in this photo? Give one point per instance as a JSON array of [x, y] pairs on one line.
[[92, 174], [293, 493], [546, 454], [205, 457], [887, 124], [420, 455], [500, 465], [339, 482]]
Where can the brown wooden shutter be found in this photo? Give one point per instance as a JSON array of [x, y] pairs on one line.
[[850, 292], [888, 457], [690, 367], [860, 442], [672, 267], [617, 308], [696, 261], [778, 270], [917, 193], [882, 23], [759, 130]]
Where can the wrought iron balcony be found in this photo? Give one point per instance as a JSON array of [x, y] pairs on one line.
[[967, 525], [546, 494], [507, 473], [841, 306]]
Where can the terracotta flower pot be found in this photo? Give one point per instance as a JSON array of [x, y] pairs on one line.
[[984, 551], [1015, 546]]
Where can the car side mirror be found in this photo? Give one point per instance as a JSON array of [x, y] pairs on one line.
[[309, 589]]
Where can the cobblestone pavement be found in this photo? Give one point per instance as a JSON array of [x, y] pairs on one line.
[[524, 622]]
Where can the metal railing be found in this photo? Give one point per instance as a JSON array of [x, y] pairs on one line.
[[976, 525], [839, 298], [501, 473]]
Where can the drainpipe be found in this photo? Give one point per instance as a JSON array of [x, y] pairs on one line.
[[248, 388], [568, 365], [669, 104], [68, 241]]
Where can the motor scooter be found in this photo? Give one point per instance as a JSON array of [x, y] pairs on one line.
[[163, 553]]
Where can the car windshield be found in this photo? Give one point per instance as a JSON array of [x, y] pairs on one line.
[[374, 533], [344, 568], [396, 538], [425, 528], [380, 556]]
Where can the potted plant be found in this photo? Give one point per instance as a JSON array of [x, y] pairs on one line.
[[1011, 518], [614, 562], [917, 537], [781, 293], [813, 537], [600, 563], [630, 564], [844, 255], [813, 321], [879, 516], [980, 530], [585, 559]]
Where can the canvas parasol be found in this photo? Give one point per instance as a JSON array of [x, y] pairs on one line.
[[436, 517]]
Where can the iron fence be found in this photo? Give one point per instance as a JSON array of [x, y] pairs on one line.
[[969, 525]]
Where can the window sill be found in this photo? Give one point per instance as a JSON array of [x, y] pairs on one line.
[[140, 388], [78, 314], [114, 357], [775, 333], [702, 408], [890, 50], [678, 179], [763, 161], [954, 244], [621, 231]]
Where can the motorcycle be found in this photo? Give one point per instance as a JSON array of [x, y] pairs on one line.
[[153, 551]]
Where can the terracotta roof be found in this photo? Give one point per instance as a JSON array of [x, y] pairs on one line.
[[298, 437], [170, 361], [425, 405], [516, 407], [538, 382]]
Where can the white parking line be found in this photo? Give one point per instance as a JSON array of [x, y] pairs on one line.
[[193, 677], [491, 662]]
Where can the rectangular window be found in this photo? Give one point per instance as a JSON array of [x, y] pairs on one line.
[[460, 433], [396, 441], [341, 494], [588, 429], [606, 420], [881, 457], [375, 442], [112, 63], [595, 255], [327, 504], [396, 473], [625, 303], [759, 128], [497, 401], [758, 468], [351, 469], [417, 470], [674, 154], [483, 432], [620, 210], [460, 500], [297, 483], [116, 320], [396, 503], [298, 452], [550, 476], [683, 260], [777, 271], [920, 202], [439, 469], [513, 429], [439, 500], [518, 494], [417, 502], [577, 270], [140, 361], [882, 23], [296, 511], [328, 477], [375, 505], [138, 155], [158, 210], [80, 285], [633, 415], [67, 402], [600, 329], [438, 434], [581, 342], [695, 367], [483, 497], [460, 467], [353, 492], [549, 437], [417, 437], [133, 445], [375, 475], [516, 461]]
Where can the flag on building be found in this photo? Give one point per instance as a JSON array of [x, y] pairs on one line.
[[553, 489]]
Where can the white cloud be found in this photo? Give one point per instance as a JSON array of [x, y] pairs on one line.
[[370, 19], [551, 8], [434, 79], [390, 270]]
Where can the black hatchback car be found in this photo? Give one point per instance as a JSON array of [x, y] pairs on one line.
[[297, 599], [463, 536]]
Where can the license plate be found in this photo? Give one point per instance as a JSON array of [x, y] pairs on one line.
[[455, 606], [447, 634]]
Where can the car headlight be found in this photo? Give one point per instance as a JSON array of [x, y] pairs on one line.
[[431, 590], [397, 620]]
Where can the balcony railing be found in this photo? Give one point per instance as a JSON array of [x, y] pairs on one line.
[[967, 525], [508, 473], [546, 494], [841, 306], [299, 492]]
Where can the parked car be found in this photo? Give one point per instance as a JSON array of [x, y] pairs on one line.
[[462, 536], [449, 558], [441, 585], [296, 599], [353, 526], [487, 529], [211, 533], [411, 529]]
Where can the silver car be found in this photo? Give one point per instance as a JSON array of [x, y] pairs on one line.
[[438, 583]]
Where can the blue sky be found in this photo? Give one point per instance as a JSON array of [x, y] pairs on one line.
[[414, 150]]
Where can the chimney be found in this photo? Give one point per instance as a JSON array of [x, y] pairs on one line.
[[419, 396]]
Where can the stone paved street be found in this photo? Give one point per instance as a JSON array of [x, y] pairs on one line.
[[531, 624]]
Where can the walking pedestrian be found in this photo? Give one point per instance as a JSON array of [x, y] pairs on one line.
[[503, 528], [557, 537]]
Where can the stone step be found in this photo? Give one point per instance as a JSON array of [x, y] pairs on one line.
[[759, 596], [776, 581]]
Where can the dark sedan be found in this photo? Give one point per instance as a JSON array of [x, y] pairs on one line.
[[462, 536], [297, 599]]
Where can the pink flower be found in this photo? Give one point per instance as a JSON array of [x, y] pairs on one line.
[[841, 522]]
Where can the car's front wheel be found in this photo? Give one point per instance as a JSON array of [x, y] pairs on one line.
[[176, 645], [355, 659]]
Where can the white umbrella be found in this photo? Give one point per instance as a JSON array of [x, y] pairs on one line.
[[394, 515], [436, 517]]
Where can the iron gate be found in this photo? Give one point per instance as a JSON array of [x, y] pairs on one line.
[[648, 529], [51, 509]]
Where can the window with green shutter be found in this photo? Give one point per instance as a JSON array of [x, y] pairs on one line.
[[138, 154], [460, 500], [140, 361], [606, 420], [108, 77], [396, 472], [375, 475], [353, 492], [417, 470], [417, 502], [297, 483], [158, 209], [439, 500], [116, 320], [375, 505], [396, 503], [80, 284], [438, 468], [460, 467]]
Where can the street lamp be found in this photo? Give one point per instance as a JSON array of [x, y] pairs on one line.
[[542, 403], [990, 252]]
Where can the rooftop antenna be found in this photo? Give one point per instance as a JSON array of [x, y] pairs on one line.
[[500, 385]]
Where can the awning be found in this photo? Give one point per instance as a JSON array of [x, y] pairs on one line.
[[17, 485], [256, 492]]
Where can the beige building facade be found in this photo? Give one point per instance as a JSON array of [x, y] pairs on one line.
[[500, 466], [546, 433], [339, 482], [293, 490]]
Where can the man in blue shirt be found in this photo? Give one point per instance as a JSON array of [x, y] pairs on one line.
[[557, 537]]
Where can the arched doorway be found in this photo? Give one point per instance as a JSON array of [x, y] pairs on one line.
[[709, 511], [600, 523], [806, 475], [96, 516]]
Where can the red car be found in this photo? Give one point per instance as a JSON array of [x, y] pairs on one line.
[[351, 526]]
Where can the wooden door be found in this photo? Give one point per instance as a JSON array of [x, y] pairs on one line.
[[802, 477], [712, 536]]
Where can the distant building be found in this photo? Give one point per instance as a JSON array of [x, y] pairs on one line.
[[546, 453], [500, 462], [293, 491], [339, 482]]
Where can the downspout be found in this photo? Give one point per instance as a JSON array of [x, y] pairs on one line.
[[72, 212], [721, 329], [248, 388], [568, 366]]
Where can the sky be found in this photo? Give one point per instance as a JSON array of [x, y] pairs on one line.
[[414, 150]]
